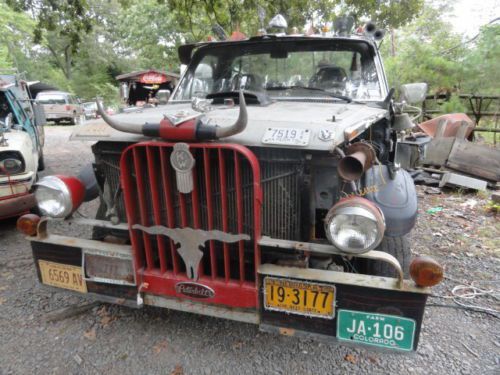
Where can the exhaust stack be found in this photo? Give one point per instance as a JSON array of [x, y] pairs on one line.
[[359, 157]]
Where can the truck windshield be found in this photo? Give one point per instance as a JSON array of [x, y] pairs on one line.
[[284, 69]]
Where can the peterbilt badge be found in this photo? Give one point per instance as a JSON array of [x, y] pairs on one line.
[[191, 240], [194, 290], [183, 162]]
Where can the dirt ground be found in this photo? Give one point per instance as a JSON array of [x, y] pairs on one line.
[[454, 228]]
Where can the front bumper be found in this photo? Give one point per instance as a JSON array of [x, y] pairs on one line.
[[59, 116], [16, 204], [108, 274]]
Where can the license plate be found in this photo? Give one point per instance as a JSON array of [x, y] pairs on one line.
[[387, 331], [62, 276], [286, 136], [299, 297]]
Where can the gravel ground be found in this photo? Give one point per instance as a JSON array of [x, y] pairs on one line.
[[117, 340]]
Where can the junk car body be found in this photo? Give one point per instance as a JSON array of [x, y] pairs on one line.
[[21, 146], [264, 191]]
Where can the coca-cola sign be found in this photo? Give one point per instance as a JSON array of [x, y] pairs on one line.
[[153, 78], [194, 290]]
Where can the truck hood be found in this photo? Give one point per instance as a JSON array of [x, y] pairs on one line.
[[330, 124]]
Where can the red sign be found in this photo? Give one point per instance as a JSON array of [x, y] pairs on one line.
[[153, 78]]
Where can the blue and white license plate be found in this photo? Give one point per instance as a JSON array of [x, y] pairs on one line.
[[286, 136], [385, 331]]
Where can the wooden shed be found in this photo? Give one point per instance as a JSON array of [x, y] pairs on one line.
[[142, 86]]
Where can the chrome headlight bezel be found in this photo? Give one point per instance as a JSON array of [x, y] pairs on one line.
[[366, 211], [11, 156], [56, 190]]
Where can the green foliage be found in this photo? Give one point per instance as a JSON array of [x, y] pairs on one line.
[[419, 53], [482, 64], [151, 33], [81, 45], [454, 105]]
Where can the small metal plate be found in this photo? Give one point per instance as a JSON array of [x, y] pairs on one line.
[[286, 136], [299, 297], [62, 276]]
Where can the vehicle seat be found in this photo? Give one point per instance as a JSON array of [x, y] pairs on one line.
[[329, 77]]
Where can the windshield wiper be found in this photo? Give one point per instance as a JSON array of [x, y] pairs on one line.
[[295, 87]]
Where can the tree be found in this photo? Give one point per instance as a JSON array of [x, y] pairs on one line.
[[481, 64], [197, 16], [420, 53]]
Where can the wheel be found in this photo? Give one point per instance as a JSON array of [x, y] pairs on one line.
[[73, 120], [41, 162], [399, 248]]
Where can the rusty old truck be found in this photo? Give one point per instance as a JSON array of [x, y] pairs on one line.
[[265, 191]]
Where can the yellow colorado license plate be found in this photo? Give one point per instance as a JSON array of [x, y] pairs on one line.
[[62, 276], [299, 297]]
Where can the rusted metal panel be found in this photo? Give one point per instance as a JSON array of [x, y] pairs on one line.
[[17, 204], [438, 150], [334, 277], [453, 123], [477, 160], [329, 249]]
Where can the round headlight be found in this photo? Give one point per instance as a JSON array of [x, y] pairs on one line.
[[355, 225], [59, 196], [11, 166]]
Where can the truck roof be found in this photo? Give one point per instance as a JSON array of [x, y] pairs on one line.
[[185, 51]]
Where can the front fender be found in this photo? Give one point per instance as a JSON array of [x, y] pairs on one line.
[[397, 198]]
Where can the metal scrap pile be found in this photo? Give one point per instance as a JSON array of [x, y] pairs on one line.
[[440, 154]]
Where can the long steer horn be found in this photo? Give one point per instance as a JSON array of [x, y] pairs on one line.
[[192, 129], [118, 125], [239, 125]]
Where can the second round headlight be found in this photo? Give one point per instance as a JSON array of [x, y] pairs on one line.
[[58, 196], [355, 225]]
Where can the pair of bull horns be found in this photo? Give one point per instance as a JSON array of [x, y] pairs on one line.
[[200, 129]]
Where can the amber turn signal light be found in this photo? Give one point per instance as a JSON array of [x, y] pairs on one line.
[[28, 224], [425, 271]]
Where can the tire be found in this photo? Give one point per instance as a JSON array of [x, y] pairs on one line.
[[73, 121], [399, 248], [41, 162]]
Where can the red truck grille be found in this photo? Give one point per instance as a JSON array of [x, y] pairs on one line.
[[226, 196]]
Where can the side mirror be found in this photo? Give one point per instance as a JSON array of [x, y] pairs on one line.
[[413, 93]]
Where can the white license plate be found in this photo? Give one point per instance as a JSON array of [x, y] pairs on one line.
[[286, 136]]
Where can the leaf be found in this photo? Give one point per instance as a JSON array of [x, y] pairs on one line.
[[105, 320], [90, 334], [177, 370], [160, 346], [350, 358]]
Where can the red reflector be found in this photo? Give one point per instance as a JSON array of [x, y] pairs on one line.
[[28, 224], [426, 271], [68, 108]]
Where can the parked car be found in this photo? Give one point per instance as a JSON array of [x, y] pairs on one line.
[[21, 146], [90, 110], [61, 106], [246, 197]]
